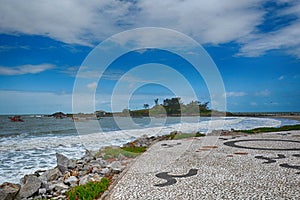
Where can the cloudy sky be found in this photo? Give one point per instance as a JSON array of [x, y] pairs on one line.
[[255, 45]]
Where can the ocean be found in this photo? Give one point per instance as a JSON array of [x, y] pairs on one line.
[[31, 145]]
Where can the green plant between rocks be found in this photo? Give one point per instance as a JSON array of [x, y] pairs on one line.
[[271, 129], [187, 135], [134, 149], [88, 191], [114, 152]]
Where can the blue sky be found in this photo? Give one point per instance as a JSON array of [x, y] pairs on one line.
[[254, 44]]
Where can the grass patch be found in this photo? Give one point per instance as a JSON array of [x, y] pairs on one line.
[[138, 150], [187, 135], [271, 129], [110, 152], [89, 191]]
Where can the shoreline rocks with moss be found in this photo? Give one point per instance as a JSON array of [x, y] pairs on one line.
[[93, 166]]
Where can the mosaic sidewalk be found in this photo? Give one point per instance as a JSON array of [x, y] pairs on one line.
[[262, 166]]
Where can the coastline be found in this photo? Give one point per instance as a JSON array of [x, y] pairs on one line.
[[54, 183]]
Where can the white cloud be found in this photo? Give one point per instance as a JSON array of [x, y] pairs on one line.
[[281, 78], [253, 104], [263, 93], [25, 69], [92, 86], [84, 23], [210, 22], [285, 38], [4, 48], [70, 21], [235, 94]]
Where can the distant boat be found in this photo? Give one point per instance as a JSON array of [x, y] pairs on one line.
[[16, 118]]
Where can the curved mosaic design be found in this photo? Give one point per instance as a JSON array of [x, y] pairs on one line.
[[171, 178], [234, 144]]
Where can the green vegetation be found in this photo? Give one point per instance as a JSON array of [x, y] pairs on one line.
[[170, 107], [134, 149], [187, 135], [271, 129], [129, 152], [89, 191]]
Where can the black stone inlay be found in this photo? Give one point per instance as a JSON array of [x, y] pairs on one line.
[[233, 137], [233, 144], [170, 145], [283, 133], [171, 178], [286, 165], [270, 160]]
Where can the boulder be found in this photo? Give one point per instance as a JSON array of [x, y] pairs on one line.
[[31, 186], [105, 171], [42, 191], [116, 166], [8, 191], [59, 187], [50, 175], [83, 180], [64, 163], [121, 157], [102, 162], [71, 181]]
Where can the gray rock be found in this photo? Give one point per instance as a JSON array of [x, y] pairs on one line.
[[105, 171], [8, 191], [71, 181], [83, 180], [60, 186], [102, 162], [87, 159], [42, 191], [50, 175], [121, 157], [90, 177], [116, 166], [31, 186], [64, 163], [59, 197]]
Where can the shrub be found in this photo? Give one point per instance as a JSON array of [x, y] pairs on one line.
[[88, 191]]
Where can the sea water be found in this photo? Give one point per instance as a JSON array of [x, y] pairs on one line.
[[31, 145]]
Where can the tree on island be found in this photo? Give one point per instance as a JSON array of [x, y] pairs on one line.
[[156, 101], [173, 105], [170, 107], [146, 106]]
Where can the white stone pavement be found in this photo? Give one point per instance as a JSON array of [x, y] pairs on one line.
[[266, 166]]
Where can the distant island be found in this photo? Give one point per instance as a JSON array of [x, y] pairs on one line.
[[173, 107]]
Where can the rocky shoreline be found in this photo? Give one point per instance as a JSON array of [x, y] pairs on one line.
[[93, 166]]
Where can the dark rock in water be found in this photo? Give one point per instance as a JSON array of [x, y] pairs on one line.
[[31, 186], [8, 191], [64, 163], [50, 175]]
